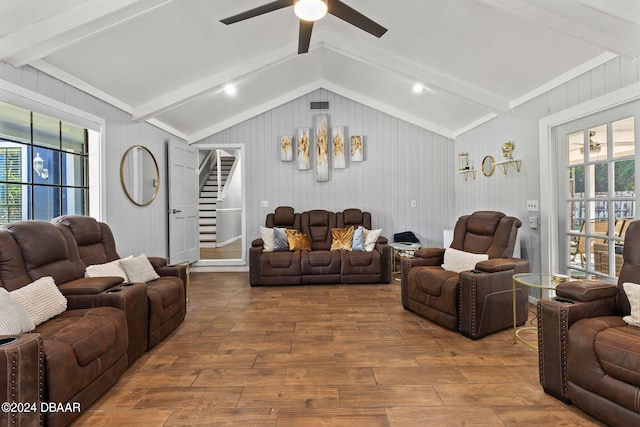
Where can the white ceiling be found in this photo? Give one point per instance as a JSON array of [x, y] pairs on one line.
[[166, 61]]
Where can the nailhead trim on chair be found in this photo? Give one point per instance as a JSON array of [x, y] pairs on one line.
[[540, 346], [14, 391], [14, 375], [564, 327], [474, 326]]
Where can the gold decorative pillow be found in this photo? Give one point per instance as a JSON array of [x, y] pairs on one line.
[[341, 238], [298, 241]]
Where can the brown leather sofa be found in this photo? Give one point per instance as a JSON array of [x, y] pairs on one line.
[[321, 265], [588, 355], [85, 349], [166, 295], [475, 302]]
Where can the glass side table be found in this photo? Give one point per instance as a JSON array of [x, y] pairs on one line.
[[404, 249], [531, 280]]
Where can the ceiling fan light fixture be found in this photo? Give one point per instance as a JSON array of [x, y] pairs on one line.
[[310, 10]]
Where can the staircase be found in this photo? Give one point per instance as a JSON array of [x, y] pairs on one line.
[[208, 200]]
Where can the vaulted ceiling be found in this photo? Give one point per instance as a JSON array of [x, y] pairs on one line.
[[167, 61]]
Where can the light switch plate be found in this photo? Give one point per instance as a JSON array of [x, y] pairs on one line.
[[532, 205], [264, 204]]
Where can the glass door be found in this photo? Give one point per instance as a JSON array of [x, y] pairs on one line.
[[597, 199]]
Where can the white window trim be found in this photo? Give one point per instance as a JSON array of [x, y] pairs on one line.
[[549, 168], [29, 100]]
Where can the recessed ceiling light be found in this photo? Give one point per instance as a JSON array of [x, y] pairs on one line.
[[230, 89], [418, 87]]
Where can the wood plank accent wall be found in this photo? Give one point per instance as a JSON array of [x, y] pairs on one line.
[[403, 162], [510, 192]]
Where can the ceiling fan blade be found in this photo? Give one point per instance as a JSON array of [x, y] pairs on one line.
[[353, 17], [305, 36], [261, 10]]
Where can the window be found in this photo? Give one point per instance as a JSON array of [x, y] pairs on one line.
[[43, 166], [601, 178]]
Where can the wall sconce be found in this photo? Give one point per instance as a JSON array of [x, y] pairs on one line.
[[38, 166]]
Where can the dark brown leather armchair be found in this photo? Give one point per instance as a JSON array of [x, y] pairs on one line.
[[474, 302], [588, 354]]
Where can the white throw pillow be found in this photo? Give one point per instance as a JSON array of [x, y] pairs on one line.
[[267, 238], [371, 238], [108, 269], [13, 318], [455, 260], [138, 269], [41, 299], [633, 294]]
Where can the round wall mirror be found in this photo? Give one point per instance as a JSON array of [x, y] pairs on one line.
[[139, 175], [488, 165]]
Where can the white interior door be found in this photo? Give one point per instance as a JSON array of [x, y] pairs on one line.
[[183, 201]]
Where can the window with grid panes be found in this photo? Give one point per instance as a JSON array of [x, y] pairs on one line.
[[43, 166]]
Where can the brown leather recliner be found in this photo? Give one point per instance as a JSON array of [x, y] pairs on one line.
[[166, 295], [84, 349], [588, 354], [474, 302], [278, 268], [363, 266]]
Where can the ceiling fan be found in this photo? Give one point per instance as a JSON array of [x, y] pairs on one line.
[[309, 11]]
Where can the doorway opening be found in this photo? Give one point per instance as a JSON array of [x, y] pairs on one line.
[[221, 212]]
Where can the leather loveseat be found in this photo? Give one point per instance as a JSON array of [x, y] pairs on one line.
[[588, 354], [320, 265], [73, 358]]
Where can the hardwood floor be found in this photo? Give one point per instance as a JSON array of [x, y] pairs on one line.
[[231, 251], [325, 356]]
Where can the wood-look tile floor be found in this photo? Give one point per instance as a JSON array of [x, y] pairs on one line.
[[330, 355]]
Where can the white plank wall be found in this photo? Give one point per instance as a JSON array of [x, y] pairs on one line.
[[509, 193], [403, 162], [136, 229]]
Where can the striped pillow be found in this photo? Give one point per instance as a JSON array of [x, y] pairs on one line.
[[633, 294], [41, 299], [108, 269], [13, 318]]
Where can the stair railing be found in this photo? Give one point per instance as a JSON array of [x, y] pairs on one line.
[[219, 174], [223, 193], [205, 168]]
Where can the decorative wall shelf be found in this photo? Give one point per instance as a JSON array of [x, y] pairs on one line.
[[465, 173], [504, 165]]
